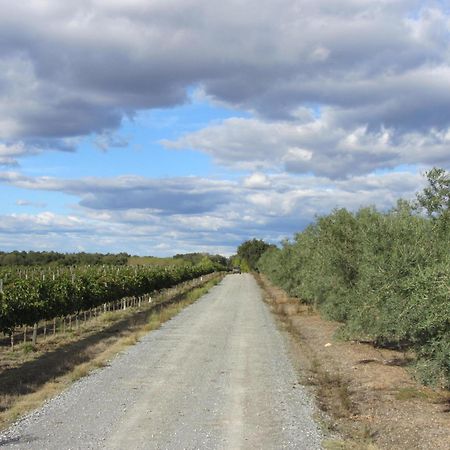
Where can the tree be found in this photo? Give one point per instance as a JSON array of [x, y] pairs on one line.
[[435, 198], [250, 251]]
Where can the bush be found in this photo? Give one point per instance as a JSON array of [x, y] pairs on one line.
[[385, 275]]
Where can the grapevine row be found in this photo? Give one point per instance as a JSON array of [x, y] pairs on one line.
[[27, 301]]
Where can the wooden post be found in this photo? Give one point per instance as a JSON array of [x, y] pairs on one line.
[[25, 334], [54, 326], [34, 336], [12, 339], [1, 286]]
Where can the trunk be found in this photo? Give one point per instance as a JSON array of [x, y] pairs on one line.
[[25, 334]]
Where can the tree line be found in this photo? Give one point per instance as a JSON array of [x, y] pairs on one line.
[[44, 258], [384, 275]]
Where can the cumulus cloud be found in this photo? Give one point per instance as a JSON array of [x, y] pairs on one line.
[[318, 146], [271, 207], [189, 195], [333, 92], [74, 68], [9, 152], [257, 181]]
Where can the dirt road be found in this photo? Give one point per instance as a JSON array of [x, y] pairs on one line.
[[217, 376]]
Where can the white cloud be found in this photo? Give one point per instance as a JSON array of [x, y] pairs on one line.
[[73, 68], [341, 90], [318, 146], [270, 207], [257, 181]]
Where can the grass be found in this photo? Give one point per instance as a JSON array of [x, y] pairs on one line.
[[28, 348], [334, 444], [410, 393], [424, 393], [331, 388], [111, 333], [333, 391]]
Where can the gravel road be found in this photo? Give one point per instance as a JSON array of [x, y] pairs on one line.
[[217, 376]]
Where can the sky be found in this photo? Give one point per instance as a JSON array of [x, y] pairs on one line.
[[157, 127]]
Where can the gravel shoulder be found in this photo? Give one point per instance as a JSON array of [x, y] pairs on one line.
[[217, 376]]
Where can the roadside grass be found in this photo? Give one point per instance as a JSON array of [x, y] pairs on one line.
[[332, 389], [110, 334], [424, 393], [365, 397], [331, 444]]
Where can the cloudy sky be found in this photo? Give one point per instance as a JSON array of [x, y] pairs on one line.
[[164, 126]]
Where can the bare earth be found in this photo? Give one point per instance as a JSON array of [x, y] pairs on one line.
[[217, 376], [385, 408]]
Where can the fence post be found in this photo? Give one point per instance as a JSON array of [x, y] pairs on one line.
[[34, 337]]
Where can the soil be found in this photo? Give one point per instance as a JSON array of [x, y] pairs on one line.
[[368, 395]]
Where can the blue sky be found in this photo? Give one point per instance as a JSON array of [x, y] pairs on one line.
[[171, 126]]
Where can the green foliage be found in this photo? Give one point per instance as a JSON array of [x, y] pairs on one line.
[[237, 261], [31, 258], [195, 258], [435, 198], [250, 251], [386, 276], [26, 300]]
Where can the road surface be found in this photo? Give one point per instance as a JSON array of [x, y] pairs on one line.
[[217, 376]]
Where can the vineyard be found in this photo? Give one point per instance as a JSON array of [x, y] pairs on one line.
[[30, 295], [384, 275]]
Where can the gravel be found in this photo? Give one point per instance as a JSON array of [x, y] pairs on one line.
[[217, 376]]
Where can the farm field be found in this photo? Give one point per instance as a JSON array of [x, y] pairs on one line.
[[30, 295]]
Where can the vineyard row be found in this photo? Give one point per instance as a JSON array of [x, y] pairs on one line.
[[25, 302]]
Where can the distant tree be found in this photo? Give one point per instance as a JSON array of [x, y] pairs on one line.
[[250, 251], [33, 258], [435, 198], [196, 258]]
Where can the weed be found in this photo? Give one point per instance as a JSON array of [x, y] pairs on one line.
[[28, 348], [410, 393]]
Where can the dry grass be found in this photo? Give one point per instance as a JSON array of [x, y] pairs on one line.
[[331, 444], [367, 397], [29, 376]]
